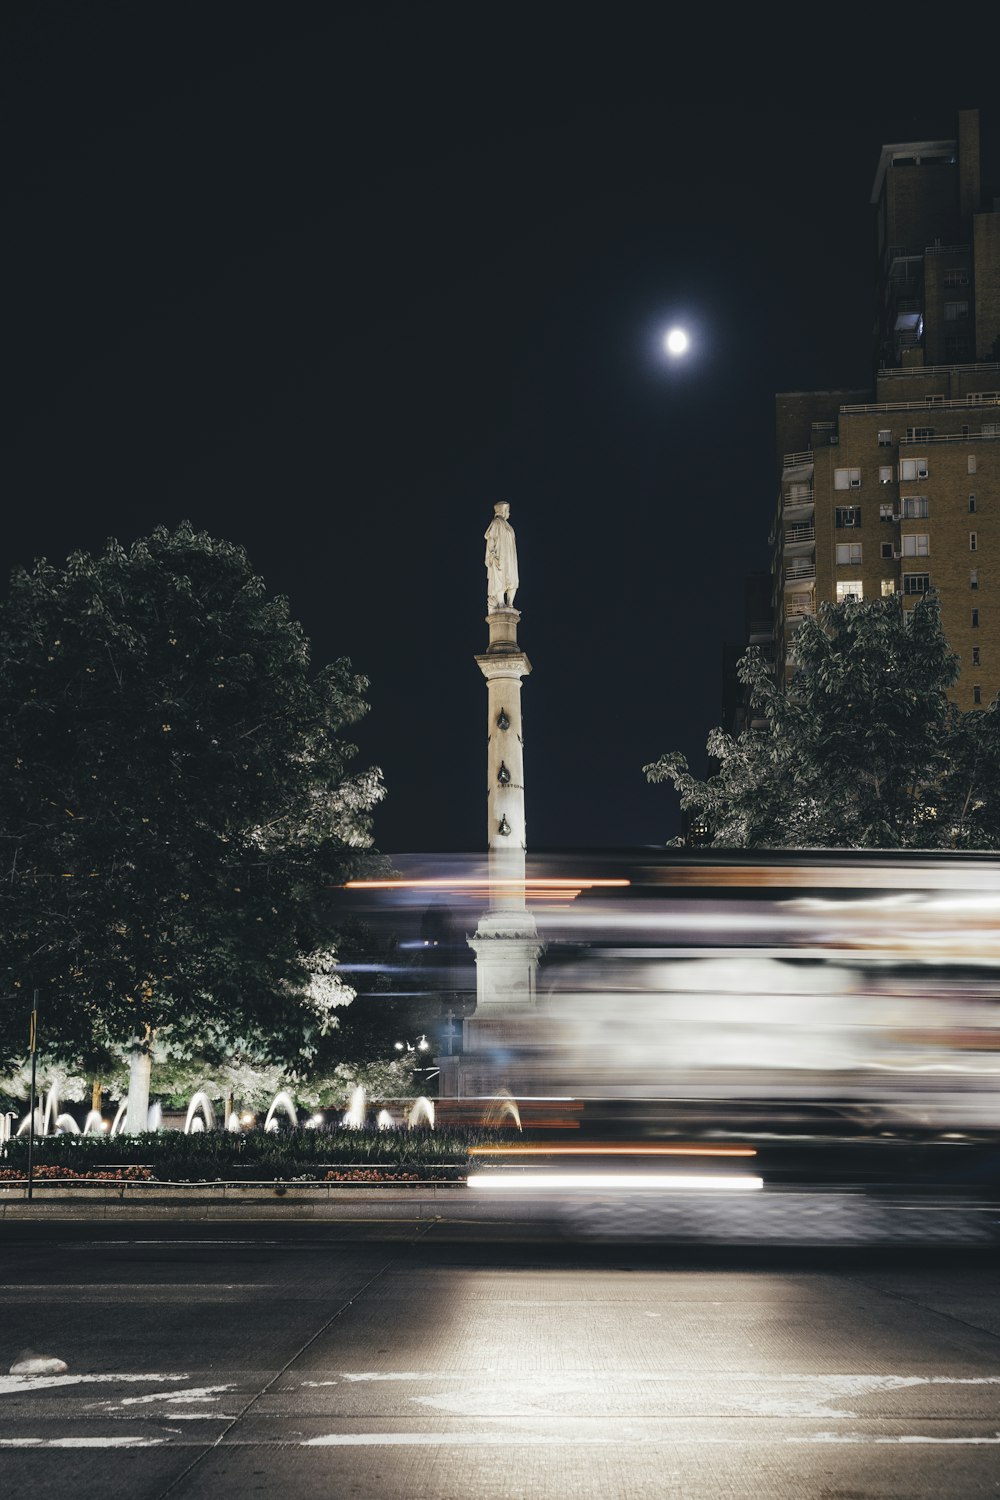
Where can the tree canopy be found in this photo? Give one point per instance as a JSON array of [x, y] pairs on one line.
[[864, 751], [176, 794]]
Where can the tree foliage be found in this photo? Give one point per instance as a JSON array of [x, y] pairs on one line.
[[865, 750], [176, 794]]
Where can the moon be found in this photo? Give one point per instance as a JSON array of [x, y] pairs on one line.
[[676, 341]]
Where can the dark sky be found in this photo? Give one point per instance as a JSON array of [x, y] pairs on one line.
[[330, 279]]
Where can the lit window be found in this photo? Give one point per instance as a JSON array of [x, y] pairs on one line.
[[848, 552], [886, 513], [913, 468], [975, 657], [887, 550], [915, 508], [973, 541], [974, 578], [953, 311], [977, 694], [885, 437], [852, 590], [916, 583], [918, 545], [888, 587], [975, 619], [847, 479], [972, 505], [848, 515], [972, 463], [885, 474]]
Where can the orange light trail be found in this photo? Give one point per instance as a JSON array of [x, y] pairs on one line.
[[481, 883], [612, 1151]]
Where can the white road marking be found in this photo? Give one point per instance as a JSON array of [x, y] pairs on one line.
[[13, 1383], [82, 1442], [496, 1439]]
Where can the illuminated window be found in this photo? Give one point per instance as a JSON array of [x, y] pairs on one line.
[[848, 515], [885, 437], [885, 513], [852, 590], [915, 508], [918, 545], [885, 474], [913, 468], [888, 587], [848, 552], [847, 479], [916, 583]]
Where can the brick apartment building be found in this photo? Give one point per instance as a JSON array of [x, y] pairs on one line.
[[897, 490]]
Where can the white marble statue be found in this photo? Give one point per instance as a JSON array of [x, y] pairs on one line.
[[501, 559]]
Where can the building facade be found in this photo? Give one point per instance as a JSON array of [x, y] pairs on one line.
[[896, 491]]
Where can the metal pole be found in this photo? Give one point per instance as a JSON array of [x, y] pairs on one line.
[[33, 1044]]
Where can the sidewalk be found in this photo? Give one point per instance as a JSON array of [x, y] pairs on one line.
[[782, 1216]]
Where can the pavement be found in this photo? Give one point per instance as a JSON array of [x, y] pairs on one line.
[[779, 1216], [369, 1360]]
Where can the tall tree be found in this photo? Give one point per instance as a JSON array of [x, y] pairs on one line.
[[175, 797], [865, 751]]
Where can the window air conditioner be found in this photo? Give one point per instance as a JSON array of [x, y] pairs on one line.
[[897, 556], [923, 474], [855, 484]]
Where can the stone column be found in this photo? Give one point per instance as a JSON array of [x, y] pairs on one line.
[[506, 940]]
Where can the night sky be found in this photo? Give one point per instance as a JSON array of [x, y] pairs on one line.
[[329, 280]]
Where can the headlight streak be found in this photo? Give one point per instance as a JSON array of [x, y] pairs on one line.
[[645, 1182]]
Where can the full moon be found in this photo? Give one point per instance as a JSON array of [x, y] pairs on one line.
[[676, 341]]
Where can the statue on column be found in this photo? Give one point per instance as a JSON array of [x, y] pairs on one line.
[[501, 559]]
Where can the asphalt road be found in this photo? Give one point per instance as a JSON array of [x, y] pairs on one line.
[[359, 1361]]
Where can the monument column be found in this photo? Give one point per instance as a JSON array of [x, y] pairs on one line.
[[506, 941]]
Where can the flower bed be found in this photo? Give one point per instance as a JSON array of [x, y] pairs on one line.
[[45, 1172]]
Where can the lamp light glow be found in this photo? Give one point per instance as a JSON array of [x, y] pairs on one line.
[[676, 341]]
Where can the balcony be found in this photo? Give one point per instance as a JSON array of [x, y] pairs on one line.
[[799, 570], [796, 611], [800, 538], [796, 507]]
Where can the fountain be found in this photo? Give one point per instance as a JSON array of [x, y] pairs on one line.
[[94, 1123], [502, 1107], [203, 1121], [154, 1116], [66, 1125], [284, 1101], [233, 1123], [357, 1109], [116, 1124], [384, 1120], [422, 1113]]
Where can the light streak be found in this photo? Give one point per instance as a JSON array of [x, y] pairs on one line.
[[578, 1150], [540, 1182], [483, 882]]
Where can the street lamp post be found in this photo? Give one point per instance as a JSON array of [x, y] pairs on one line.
[[33, 1046], [33, 1049]]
